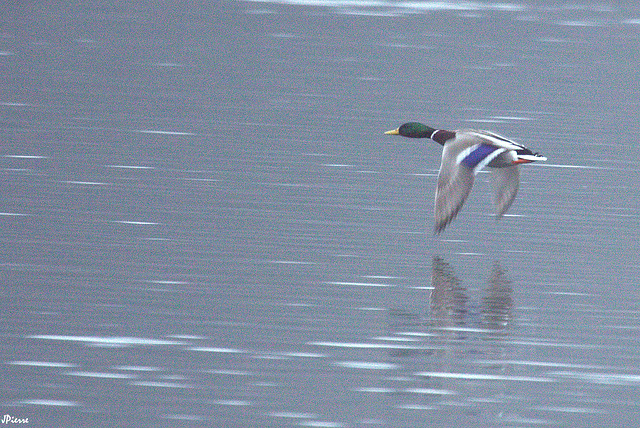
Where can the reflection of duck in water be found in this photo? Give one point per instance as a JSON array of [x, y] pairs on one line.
[[449, 301], [448, 298], [498, 303]]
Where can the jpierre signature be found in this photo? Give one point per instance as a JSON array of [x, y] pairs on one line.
[[8, 419]]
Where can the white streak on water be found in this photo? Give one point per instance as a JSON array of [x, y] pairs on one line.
[[229, 372], [511, 419], [463, 329], [417, 174], [139, 223], [600, 378], [10, 104], [491, 400], [568, 293], [129, 166], [580, 23], [581, 410], [186, 336], [430, 391], [422, 391], [215, 350], [25, 157], [551, 165], [368, 13], [360, 284], [102, 375], [176, 417], [290, 262], [161, 384], [167, 282], [292, 415], [406, 46], [150, 131], [109, 341], [287, 185], [511, 118], [87, 183], [540, 364], [14, 215], [62, 403], [478, 376], [414, 407], [41, 364], [212, 180], [270, 356], [380, 277], [417, 333], [375, 390], [322, 424], [303, 355], [299, 305], [362, 345], [137, 368], [397, 339], [390, 6], [367, 365], [232, 402], [485, 120], [553, 344]]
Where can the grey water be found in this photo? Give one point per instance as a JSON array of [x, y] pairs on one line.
[[203, 223]]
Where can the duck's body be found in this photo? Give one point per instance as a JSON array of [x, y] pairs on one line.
[[465, 153]]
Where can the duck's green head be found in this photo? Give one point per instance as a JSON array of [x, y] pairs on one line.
[[413, 130]]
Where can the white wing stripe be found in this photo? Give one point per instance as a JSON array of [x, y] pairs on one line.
[[488, 159], [466, 152]]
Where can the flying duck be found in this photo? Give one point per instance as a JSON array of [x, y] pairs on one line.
[[465, 153]]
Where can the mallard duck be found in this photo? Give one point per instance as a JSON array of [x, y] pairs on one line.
[[465, 153]]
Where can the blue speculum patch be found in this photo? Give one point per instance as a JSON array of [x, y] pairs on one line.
[[476, 156]]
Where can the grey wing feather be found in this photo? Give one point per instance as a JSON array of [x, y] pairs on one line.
[[454, 185], [506, 182]]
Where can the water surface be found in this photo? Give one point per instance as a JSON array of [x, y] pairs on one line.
[[203, 223]]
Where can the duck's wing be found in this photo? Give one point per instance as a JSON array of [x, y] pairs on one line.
[[454, 184], [505, 183], [487, 137]]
